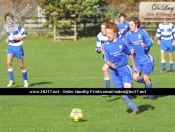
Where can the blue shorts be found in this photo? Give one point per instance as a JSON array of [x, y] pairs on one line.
[[121, 75], [166, 45], [144, 63], [16, 51]]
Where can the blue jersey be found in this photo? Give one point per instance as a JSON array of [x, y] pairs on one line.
[[134, 39], [165, 32], [14, 30], [101, 38], [122, 26], [115, 52]]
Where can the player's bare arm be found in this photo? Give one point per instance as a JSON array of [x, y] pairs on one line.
[[100, 49], [133, 64], [158, 42], [19, 38], [7, 40], [142, 44], [111, 64]]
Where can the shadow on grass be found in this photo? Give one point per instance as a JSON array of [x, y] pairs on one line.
[[34, 84], [119, 97], [113, 99], [143, 108], [156, 96], [83, 120]]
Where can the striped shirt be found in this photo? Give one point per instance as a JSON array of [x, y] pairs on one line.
[[101, 38], [165, 32], [17, 31]]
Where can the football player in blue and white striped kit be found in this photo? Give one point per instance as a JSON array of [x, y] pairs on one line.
[[115, 54], [122, 25], [16, 34], [140, 42], [101, 38], [165, 36]]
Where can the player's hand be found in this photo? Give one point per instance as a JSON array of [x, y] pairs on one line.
[[143, 45], [113, 66], [121, 31], [15, 38], [100, 49], [7, 40], [158, 42], [173, 44], [132, 51], [135, 69]]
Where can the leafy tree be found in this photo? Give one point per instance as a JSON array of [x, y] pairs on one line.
[[74, 10]]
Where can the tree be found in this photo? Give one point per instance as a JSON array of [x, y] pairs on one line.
[[73, 10]]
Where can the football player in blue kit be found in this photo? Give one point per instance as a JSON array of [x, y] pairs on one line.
[[122, 25], [140, 42], [115, 54]]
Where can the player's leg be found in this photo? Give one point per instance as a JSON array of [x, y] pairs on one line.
[[147, 69], [171, 62], [105, 69], [163, 62], [10, 70], [24, 72], [10, 54], [163, 48], [137, 76], [127, 83], [170, 52], [20, 55]]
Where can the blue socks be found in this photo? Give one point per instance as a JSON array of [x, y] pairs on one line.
[[107, 82], [149, 86], [171, 65], [141, 80], [24, 73], [129, 102], [10, 73], [163, 65]]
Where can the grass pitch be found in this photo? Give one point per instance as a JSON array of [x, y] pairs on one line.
[[71, 64]]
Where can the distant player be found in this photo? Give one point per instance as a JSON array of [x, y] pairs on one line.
[[166, 39], [16, 34], [101, 38], [140, 42], [115, 54], [122, 25]]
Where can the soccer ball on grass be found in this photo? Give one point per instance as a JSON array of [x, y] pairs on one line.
[[76, 115]]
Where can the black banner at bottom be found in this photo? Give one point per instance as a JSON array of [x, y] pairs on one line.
[[87, 91]]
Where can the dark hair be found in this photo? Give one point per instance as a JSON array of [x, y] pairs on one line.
[[8, 15], [122, 15], [112, 26], [104, 22], [135, 20]]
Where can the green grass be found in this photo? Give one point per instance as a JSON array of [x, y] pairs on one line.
[[72, 64]]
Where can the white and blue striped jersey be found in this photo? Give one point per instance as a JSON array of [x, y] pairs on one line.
[[134, 39], [116, 52], [17, 31], [101, 38], [165, 32], [123, 26]]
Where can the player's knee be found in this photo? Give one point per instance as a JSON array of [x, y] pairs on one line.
[[146, 79], [104, 70], [135, 77], [9, 64], [21, 66]]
